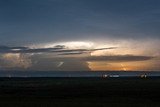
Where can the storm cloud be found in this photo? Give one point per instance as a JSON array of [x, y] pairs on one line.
[[67, 34]]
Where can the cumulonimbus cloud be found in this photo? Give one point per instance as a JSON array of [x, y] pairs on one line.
[[21, 57], [11, 61]]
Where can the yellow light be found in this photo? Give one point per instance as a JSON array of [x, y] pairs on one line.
[[72, 44]]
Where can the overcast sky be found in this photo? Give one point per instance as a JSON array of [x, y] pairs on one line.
[[89, 34]]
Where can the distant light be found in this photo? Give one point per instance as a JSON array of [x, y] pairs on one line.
[[143, 76], [105, 76], [114, 76], [72, 44], [16, 49]]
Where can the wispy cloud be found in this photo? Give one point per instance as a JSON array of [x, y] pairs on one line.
[[61, 49]]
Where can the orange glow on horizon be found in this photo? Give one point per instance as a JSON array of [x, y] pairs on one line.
[[122, 66]]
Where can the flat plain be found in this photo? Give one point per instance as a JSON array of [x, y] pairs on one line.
[[78, 92]]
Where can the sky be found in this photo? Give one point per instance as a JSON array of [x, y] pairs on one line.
[[80, 35]]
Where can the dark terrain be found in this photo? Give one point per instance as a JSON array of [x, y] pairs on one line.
[[80, 92]]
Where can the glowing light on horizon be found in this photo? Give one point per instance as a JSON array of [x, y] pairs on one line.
[[123, 67]]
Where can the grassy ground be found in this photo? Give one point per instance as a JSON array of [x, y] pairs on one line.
[[78, 92]]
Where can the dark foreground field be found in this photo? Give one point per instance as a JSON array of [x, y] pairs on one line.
[[79, 92]]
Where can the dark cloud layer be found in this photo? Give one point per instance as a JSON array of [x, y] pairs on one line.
[[56, 49], [29, 21], [118, 58], [113, 58]]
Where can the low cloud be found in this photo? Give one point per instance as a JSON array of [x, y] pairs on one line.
[[6, 49], [61, 49], [113, 58], [118, 58]]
